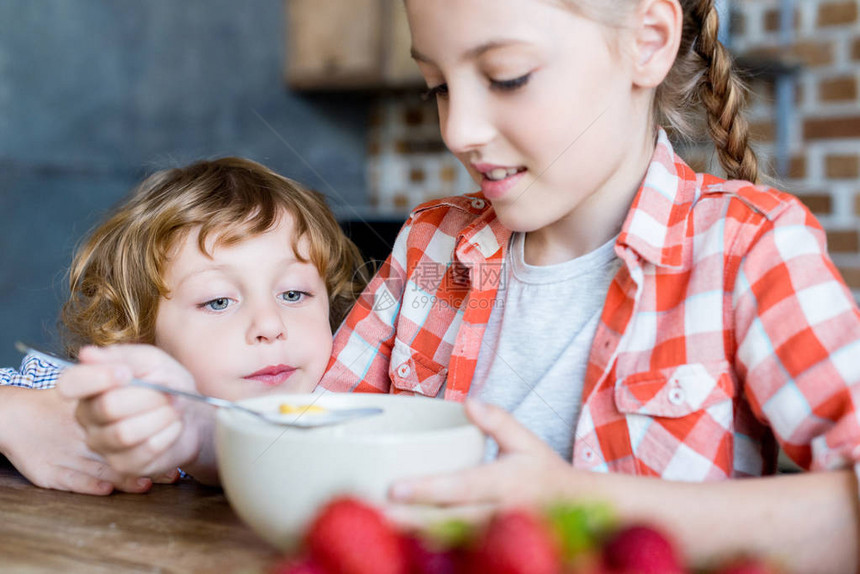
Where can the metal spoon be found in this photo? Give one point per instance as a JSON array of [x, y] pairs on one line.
[[298, 420]]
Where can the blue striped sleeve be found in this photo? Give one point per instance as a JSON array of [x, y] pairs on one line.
[[34, 373]]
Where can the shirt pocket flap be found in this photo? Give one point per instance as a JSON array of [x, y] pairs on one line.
[[412, 371], [676, 391]]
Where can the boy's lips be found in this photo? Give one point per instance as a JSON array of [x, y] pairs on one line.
[[272, 375]]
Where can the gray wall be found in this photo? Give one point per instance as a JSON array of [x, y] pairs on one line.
[[94, 94]]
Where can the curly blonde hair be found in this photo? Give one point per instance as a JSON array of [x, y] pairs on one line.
[[117, 275]]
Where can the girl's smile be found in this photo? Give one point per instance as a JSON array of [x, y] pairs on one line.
[[496, 180]]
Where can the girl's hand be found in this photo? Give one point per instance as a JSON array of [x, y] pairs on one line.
[[137, 431], [527, 470], [39, 436]]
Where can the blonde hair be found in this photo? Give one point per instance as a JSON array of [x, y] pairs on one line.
[[703, 76], [117, 275]]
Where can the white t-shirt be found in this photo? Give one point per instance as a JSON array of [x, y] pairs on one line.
[[535, 349]]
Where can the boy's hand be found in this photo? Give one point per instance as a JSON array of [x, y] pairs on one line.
[[41, 439], [137, 431]]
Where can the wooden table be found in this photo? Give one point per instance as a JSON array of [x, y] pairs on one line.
[[183, 527]]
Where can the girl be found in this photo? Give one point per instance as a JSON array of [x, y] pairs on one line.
[[661, 328], [235, 271], [637, 318]]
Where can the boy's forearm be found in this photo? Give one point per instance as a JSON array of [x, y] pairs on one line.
[[8, 398], [11, 405], [810, 522]]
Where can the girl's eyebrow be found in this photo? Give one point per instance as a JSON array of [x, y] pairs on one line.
[[472, 53]]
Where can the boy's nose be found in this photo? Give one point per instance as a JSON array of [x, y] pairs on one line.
[[465, 122], [267, 324]]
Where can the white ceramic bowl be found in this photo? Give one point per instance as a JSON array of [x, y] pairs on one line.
[[277, 477]]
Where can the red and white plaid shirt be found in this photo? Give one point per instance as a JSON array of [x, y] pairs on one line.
[[728, 325]]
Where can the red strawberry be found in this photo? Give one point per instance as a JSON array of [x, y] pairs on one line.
[[641, 549], [424, 558], [747, 566], [351, 537], [300, 566], [516, 542]]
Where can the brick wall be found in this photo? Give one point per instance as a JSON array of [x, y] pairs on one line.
[[824, 128], [408, 162]]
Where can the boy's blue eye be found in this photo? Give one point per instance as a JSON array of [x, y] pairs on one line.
[[510, 84], [293, 296], [218, 304]]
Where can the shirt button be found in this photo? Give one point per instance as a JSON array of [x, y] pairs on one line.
[[676, 396], [478, 203], [588, 455], [404, 370]]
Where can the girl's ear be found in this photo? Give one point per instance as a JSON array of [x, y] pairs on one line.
[[657, 36]]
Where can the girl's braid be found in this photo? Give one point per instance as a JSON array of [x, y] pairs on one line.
[[722, 94]]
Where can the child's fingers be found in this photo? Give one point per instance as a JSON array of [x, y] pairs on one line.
[[143, 361], [511, 480], [510, 435], [118, 404], [133, 484], [478, 485], [82, 381], [96, 467], [411, 517], [74, 480], [166, 477], [130, 432], [147, 457]]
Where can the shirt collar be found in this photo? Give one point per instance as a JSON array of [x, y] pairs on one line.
[[656, 225], [483, 239]]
